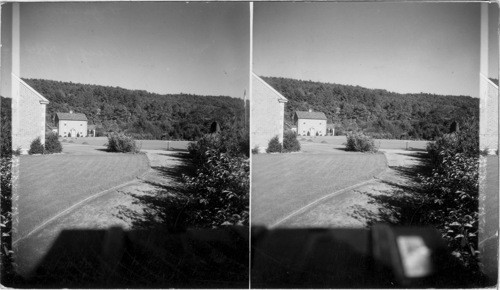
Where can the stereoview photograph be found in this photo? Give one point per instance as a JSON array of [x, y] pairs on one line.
[[374, 138], [125, 145]]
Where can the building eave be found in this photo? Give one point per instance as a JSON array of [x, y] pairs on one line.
[[43, 100], [281, 98], [488, 80]]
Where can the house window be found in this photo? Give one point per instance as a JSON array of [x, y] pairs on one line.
[[64, 124], [81, 124]]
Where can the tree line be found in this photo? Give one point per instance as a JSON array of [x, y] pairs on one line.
[[377, 112], [139, 113]]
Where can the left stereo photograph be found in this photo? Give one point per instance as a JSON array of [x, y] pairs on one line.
[[125, 145]]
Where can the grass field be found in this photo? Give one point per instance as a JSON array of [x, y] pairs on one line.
[[48, 184], [338, 141], [145, 144], [283, 183]]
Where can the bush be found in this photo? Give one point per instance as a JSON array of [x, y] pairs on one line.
[[357, 141], [52, 144], [274, 145], [219, 192], [452, 194], [452, 191], [120, 143], [17, 152], [230, 141], [465, 141], [290, 142], [255, 150], [36, 147]]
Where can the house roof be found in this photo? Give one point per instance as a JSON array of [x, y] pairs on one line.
[[310, 115], [72, 116], [281, 98], [41, 98]]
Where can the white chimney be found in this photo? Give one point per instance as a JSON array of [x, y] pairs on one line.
[[310, 110], [71, 111]]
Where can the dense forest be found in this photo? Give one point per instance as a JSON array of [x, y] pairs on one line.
[[141, 114], [377, 112]]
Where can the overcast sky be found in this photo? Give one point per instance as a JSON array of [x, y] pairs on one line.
[[401, 47], [199, 48]]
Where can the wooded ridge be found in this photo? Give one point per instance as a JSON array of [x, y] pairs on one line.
[[377, 112], [142, 114]]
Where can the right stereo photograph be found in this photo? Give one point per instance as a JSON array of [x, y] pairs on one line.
[[374, 139]]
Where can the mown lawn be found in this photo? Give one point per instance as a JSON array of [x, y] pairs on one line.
[[145, 144], [49, 184], [338, 141], [283, 183]]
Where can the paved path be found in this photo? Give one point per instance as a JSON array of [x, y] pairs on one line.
[[102, 211]]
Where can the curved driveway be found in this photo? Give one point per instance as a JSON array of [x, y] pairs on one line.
[[285, 183], [50, 184]]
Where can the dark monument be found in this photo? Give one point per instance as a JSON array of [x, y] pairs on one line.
[[214, 128]]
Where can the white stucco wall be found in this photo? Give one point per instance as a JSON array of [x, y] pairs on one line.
[[266, 115], [65, 126], [488, 106], [312, 126], [31, 117]]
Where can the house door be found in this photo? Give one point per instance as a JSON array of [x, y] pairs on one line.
[[312, 131], [73, 133]]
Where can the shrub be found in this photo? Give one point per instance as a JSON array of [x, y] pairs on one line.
[[219, 192], [465, 141], [52, 144], [121, 143], [255, 150], [452, 194], [228, 141], [36, 147], [357, 141], [17, 152], [274, 145], [452, 191], [290, 142]]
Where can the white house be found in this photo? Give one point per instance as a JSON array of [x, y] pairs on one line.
[[310, 123], [72, 124], [267, 113]]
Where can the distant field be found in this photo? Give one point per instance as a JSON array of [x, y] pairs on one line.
[[145, 144], [48, 184], [381, 143], [283, 183]]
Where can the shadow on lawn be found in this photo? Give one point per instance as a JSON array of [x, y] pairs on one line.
[[164, 207], [403, 203]]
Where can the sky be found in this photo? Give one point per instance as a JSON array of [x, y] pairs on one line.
[[197, 48], [400, 47]]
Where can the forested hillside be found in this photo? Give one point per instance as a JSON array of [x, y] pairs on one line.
[[139, 113], [378, 112]]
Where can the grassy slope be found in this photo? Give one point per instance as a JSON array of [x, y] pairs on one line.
[[49, 184], [283, 183]]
